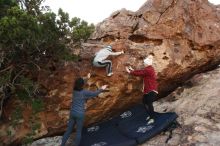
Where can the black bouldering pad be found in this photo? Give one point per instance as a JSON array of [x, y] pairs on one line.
[[130, 128], [138, 129], [105, 134]]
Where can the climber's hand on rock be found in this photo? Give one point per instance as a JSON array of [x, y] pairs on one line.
[[130, 68], [88, 75], [104, 87], [127, 69]]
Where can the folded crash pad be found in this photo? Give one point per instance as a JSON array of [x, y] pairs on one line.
[[130, 128], [139, 130], [105, 134], [130, 113]]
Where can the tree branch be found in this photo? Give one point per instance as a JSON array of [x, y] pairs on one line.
[[5, 69]]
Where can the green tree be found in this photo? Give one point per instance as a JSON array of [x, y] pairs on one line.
[[33, 7], [5, 5], [80, 30], [31, 39]]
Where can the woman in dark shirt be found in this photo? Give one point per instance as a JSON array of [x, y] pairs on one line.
[[77, 112]]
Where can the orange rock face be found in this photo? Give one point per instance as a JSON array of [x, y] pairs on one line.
[[183, 36]]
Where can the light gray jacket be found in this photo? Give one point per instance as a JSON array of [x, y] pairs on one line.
[[103, 54]]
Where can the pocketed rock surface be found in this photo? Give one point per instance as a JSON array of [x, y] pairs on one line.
[[182, 35]]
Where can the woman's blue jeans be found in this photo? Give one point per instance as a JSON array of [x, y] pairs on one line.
[[74, 119]]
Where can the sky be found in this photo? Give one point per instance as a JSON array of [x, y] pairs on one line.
[[95, 11]]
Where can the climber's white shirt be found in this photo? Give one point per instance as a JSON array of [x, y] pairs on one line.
[[103, 54]]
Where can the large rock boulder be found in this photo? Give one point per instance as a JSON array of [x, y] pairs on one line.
[[183, 36], [197, 105]]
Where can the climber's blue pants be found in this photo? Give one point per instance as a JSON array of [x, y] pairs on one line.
[[74, 119]]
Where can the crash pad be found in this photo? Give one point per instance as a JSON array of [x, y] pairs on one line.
[[129, 128], [104, 134]]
